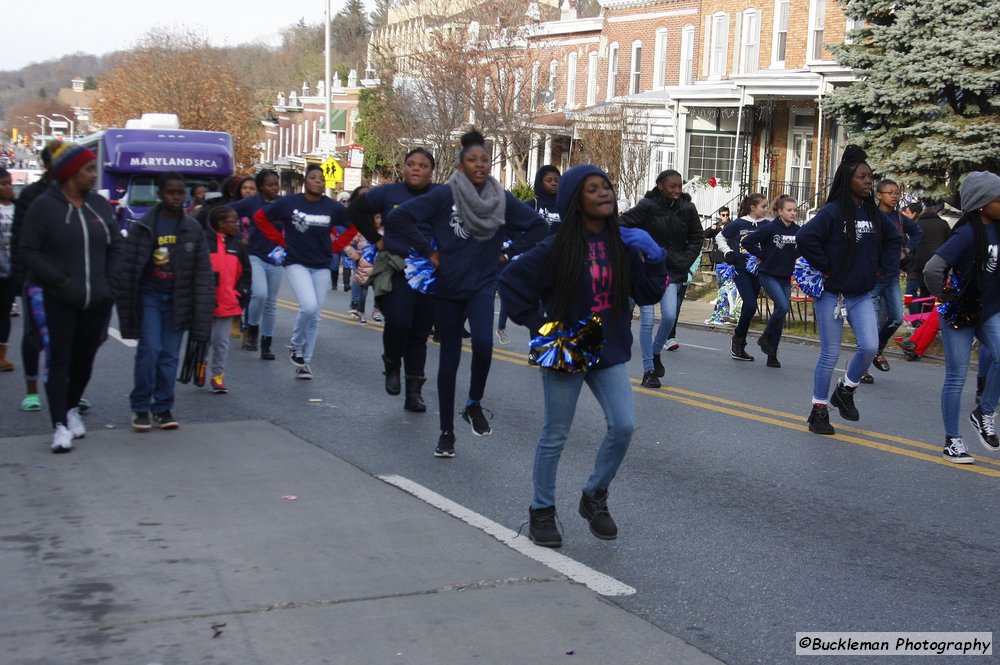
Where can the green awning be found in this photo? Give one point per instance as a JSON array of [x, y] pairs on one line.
[[338, 120]]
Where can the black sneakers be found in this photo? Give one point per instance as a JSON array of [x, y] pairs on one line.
[[658, 366], [473, 414], [594, 509], [772, 360], [165, 420], [843, 399], [303, 372], [446, 445], [955, 451], [542, 528], [141, 421], [295, 355], [649, 379], [983, 422], [764, 342], [819, 420]]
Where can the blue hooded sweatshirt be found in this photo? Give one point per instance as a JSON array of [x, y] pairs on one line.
[[530, 279], [822, 242], [774, 244], [467, 265], [544, 203]]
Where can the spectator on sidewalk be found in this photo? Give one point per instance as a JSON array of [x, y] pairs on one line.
[[934, 231]]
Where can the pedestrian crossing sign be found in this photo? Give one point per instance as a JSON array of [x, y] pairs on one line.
[[333, 172]]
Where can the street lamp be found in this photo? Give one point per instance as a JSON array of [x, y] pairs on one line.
[[50, 122], [71, 125], [32, 122]]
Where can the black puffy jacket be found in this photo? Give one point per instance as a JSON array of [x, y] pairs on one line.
[[72, 253], [675, 226], [194, 281]]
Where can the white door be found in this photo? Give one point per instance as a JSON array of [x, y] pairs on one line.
[[800, 157]]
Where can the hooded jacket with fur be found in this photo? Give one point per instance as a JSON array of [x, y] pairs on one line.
[[674, 225]]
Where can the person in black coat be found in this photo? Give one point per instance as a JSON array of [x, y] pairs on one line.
[[668, 215], [70, 248], [166, 288]]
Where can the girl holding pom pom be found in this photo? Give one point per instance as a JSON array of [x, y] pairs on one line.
[[468, 219], [590, 267]]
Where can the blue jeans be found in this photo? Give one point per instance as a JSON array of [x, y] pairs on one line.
[[156, 355], [749, 287], [888, 301], [263, 307], [957, 349], [648, 346], [451, 315], [613, 391], [779, 289], [359, 295], [309, 285], [861, 316]]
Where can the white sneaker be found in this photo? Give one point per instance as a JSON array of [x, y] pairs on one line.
[[74, 423], [502, 336], [62, 440]]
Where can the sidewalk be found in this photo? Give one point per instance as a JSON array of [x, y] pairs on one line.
[[181, 547]]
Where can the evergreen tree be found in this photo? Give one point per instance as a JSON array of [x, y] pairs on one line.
[[380, 15], [926, 105], [349, 33]]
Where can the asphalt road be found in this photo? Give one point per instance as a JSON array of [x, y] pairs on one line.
[[738, 526]]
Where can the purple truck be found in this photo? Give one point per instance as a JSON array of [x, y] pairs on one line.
[[130, 160]]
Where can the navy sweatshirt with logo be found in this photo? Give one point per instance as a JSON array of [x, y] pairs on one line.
[[380, 200], [467, 265], [729, 241], [257, 243], [822, 242], [308, 226], [774, 244]]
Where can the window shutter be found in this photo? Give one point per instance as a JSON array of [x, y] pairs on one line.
[[706, 46], [737, 44]]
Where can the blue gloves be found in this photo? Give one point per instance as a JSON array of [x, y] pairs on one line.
[[639, 239]]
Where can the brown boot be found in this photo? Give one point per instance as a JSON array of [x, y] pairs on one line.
[[5, 365]]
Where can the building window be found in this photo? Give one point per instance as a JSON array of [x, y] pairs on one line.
[[712, 155], [553, 73], [612, 69], [660, 59], [686, 74], [780, 43], [853, 25], [571, 80], [750, 42], [719, 42], [518, 88], [592, 78], [636, 70], [817, 22], [535, 67]]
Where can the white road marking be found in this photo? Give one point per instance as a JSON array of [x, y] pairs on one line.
[[576, 571], [112, 332], [685, 345]]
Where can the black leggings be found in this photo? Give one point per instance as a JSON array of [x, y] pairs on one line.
[[451, 315], [749, 287], [74, 336], [409, 317], [8, 291]]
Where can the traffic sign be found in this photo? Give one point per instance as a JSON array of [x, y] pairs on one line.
[[333, 172]]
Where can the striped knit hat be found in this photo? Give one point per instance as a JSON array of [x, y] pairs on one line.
[[69, 158]]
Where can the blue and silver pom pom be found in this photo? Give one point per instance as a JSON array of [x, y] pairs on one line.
[[810, 280], [420, 273], [955, 311], [725, 272], [568, 350], [752, 264]]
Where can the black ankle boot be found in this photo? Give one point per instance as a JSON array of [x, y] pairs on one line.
[[414, 402], [843, 399], [250, 338], [265, 349], [391, 375], [739, 348], [764, 342], [772, 360]]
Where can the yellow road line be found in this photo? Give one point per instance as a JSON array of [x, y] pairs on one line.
[[755, 413]]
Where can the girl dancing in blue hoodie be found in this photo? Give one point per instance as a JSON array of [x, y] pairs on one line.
[[591, 266]]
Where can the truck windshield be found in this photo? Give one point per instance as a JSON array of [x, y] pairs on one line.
[[142, 191]]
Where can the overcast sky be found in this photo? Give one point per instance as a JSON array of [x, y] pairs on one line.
[[38, 31]]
